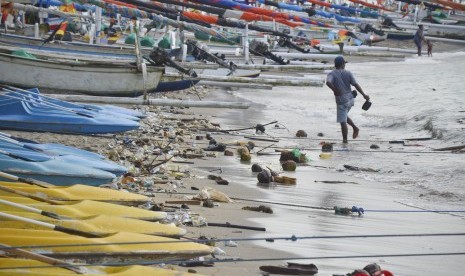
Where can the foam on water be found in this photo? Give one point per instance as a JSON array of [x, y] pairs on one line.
[[417, 97]]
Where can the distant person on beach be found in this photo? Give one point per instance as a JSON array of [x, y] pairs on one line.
[[340, 81], [430, 48], [419, 38]]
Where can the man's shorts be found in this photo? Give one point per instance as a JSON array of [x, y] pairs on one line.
[[343, 110]]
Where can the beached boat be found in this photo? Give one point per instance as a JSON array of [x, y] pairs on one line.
[[87, 77], [25, 267], [53, 170], [96, 225], [118, 247], [86, 208], [21, 114], [36, 154], [58, 149], [78, 192], [72, 47], [33, 95]]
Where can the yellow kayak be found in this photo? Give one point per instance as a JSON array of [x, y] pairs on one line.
[[99, 225], [50, 270], [87, 208], [96, 250], [76, 192]]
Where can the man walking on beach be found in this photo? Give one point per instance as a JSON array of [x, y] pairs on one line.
[[340, 81]]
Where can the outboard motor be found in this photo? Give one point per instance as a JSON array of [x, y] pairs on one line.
[[200, 54], [261, 49], [160, 57], [286, 42]]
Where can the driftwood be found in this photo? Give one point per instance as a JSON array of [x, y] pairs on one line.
[[353, 168], [335, 182], [188, 202], [229, 225], [451, 148]]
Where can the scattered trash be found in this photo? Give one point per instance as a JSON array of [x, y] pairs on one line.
[[264, 176], [208, 203], [326, 147], [259, 128], [285, 180], [301, 133], [354, 168], [230, 243], [289, 165], [348, 211], [218, 251], [210, 193], [260, 208], [256, 168]]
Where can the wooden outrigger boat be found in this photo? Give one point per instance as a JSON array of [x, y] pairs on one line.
[[87, 77]]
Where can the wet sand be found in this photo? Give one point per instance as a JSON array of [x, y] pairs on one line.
[[299, 221]]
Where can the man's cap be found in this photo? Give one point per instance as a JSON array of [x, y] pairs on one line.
[[338, 61]]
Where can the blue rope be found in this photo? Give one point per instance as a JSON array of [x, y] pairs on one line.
[[292, 238], [360, 211], [214, 260]]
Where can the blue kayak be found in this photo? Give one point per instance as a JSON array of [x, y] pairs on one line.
[[27, 116], [91, 109], [54, 171], [56, 149], [41, 156]]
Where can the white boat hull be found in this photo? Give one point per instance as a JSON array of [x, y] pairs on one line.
[[94, 78]]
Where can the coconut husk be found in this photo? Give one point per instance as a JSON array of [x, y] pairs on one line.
[[264, 176], [301, 133], [289, 165], [285, 180]]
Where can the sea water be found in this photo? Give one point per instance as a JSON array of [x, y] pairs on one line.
[[414, 98]]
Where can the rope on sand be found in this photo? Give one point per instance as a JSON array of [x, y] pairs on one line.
[[292, 238], [235, 260], [353, 209]]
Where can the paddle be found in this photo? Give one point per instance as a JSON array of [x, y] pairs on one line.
[[44, 103], [33, 210], [26, 180], [38, 257], [51, 226]]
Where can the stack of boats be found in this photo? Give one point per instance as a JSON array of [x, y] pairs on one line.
[[51, 230], [28, 110]]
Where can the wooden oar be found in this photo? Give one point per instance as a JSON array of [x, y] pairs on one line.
[[41, 258], [33, 210], [25, 180], [51, 226]]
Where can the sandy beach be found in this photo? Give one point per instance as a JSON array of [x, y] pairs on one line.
[[187, 177]]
